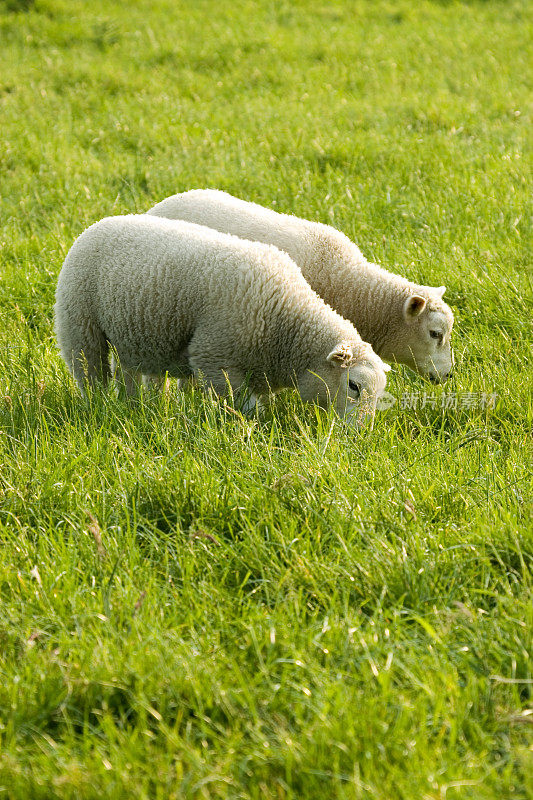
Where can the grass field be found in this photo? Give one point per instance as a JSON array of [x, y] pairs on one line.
[[199, 605]]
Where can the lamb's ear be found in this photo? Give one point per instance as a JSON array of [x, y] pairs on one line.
[[438, 290], [342, 355], [414, 306]]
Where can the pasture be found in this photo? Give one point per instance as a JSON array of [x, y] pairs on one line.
[[196, 604]]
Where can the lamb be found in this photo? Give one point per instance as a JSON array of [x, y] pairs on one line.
[[403, 321], [179, 298]]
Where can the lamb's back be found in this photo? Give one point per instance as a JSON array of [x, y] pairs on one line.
[[228, 214], [142, 264]]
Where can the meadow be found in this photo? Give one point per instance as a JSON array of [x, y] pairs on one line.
[[197, 604]]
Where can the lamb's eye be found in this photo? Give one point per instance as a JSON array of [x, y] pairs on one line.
[[436, 335], [355, 388]]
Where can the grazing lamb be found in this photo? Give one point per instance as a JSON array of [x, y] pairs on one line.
[[184, 299], [404, 322]]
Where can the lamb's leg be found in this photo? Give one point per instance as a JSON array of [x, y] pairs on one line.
[[250, 403], [221, 379], [125, 378], [86, 353], [186, 384], [159, 382], [229, 380], [215, 370], [132, 379]]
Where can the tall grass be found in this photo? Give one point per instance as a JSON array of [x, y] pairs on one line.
[[196, 604]]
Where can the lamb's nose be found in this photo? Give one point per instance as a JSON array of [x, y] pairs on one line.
[[448, 375], [434, 378]]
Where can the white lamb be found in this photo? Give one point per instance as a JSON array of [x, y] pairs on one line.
[[178, 298], [404, 322]]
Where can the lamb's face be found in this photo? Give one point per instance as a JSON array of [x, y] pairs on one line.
[[354, 386], [424, 342], [360, 390]]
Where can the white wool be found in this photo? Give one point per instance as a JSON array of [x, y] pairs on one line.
[[179, 298], [403, 321]]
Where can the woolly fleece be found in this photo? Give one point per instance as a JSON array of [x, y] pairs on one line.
[[403, 321], [184, 299]]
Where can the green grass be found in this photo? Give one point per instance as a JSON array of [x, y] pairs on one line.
[[198, 605]]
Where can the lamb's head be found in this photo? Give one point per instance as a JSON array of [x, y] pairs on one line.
[[352, 377], [423, 336]]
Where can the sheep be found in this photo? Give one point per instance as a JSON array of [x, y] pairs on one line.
[[403, 321], [179, 298]]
